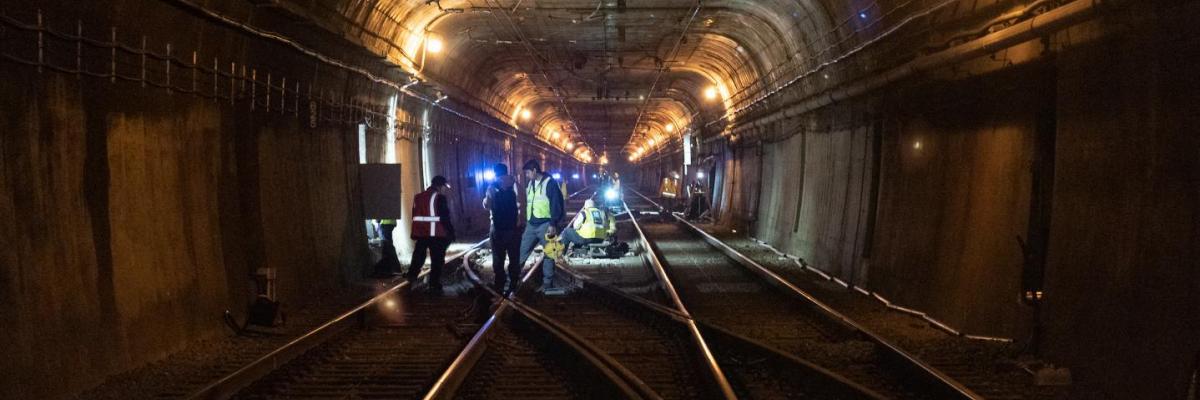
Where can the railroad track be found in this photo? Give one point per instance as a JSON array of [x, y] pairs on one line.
[[719, 286], [402, 344]]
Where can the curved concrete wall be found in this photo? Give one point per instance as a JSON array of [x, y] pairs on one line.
[[133, 216], [1090, 159]]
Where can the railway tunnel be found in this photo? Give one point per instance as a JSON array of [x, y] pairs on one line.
[[820, 198]]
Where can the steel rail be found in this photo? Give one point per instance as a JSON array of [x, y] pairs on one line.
[[853, 388], [651, 257], [565, 334], [934, 378], [257, 369], [451, 381]]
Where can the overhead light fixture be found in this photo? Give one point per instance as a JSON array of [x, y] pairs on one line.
[[711, 93], [670, 127], [433, 45], [555, 135], [526, 114]]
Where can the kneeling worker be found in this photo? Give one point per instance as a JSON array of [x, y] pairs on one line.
[[591, 225], [432, 230]]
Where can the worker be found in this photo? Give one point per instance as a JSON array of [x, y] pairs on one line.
[[591, 225], [501, 200], [388, 263], [432, 230], [543, 213]]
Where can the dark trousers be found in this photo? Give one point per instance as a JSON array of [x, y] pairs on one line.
[[389, 262], [506, 244], [437, 256]]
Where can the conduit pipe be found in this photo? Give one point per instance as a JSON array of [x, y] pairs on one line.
[[1060, 18]]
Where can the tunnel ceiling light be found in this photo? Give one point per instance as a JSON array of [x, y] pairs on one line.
[[570, 146], [526, 114], [700, 175], [670, 127], [433, 45], [555, 135], [711, 93]]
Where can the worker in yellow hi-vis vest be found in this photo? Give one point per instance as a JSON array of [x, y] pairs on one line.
[[544, 214]]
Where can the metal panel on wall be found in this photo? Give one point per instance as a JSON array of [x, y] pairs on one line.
[[381, 191]]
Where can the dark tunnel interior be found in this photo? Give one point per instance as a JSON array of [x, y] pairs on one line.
[[1014, 183]]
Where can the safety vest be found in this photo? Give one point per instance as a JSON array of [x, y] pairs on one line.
[[595, 225], [537, 203], [387, 222], [426, 221]]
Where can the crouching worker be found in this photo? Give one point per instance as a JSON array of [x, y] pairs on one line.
[[591, 225], [544, 213], [432, 231]]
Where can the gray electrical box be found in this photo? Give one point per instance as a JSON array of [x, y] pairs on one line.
[[381, 191]]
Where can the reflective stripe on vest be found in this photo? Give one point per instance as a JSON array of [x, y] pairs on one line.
[[538, 203], [433, 214]]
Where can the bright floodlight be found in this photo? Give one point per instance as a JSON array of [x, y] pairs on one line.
[[574, 176], [711, 93], [610, 194], [700, 175], [557, 176], [526, 114], [489, 175], [434, 45]]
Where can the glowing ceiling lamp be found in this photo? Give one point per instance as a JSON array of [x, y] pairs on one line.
[[670, 127], [433, 44], [570, 146], [711, 93]]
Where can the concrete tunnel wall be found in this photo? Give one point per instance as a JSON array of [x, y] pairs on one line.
[[135, 216], [1117, 202]]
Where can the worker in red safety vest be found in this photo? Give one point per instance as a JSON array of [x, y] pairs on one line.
[[432, 230]]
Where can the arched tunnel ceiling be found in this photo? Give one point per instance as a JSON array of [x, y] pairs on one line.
[[580, 73]]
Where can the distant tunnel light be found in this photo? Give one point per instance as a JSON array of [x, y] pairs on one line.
[[862, 15], [917, 145], [670, 127], [700, 175], [711, 93], [489, 175], [526, 114], [570, 146], [611, 194], [557, 176], [575, 176]]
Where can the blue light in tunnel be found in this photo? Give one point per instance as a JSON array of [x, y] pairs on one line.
[[611, 194], [862, 15], [489, 175], [575, 176], [557, 176]]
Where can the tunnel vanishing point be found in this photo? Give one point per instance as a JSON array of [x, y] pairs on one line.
[[1023, 172]]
